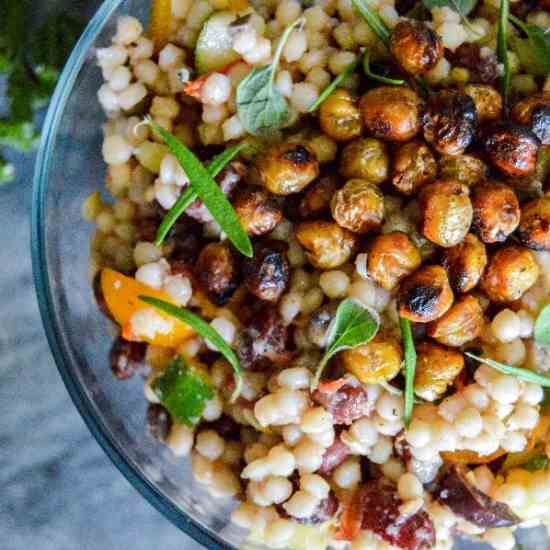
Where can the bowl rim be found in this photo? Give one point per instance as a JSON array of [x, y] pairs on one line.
[[45, 296]]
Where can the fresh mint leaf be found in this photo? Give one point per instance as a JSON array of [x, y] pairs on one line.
[[522, 374], [202, 182], [542, 326], [502, 50], [410, 367], [217, 164], [260, 106], [462, 7], [353, 325], [183, 390], [206, 331]]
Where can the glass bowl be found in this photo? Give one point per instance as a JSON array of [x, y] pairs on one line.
[[70, 167]]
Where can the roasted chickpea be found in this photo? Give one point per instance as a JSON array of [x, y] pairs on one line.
[[487, 100], [446, 212], [257, 212], [317, 197], [534, 112], [415, 46], [287, 168], [425, 295], [511, 272], [328, 245], [496, 211], [340, 117], [512, 149], [534, 227], [365, 158], [377, 361], [450, 122], [392, 257], [436, 369], [465, 263], [358, 206], [391, 112], [461, 324], [217, 272], [266, 274], [464, 168], [414, 165]]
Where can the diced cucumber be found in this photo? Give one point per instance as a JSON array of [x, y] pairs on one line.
[[214, 49]]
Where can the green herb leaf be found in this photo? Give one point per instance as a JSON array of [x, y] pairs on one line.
[[462, 7], [217, 164], [206, 331], [502, 50], [522, 374], [183, 391], [539, 42], [539, 462], [542, 326], [374, 21], [353, 325], [410, 367], [332, 86], [373, 76], [202, 182], [260, 106], [7, 171]]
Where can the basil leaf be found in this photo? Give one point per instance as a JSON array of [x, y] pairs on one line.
[[260, 106], [206, 331], [502, 50], [372, 76], [542, 326], [462, 7], [183, 391], [353, 325], [539, 41], [374, 21], [522, 374], [217, 164], [202, 182], [410, 367], [332, 86]]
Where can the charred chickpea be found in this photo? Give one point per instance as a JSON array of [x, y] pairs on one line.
[[512, 149], [446, 212], [425, 295], [392, 257], [316, 199], [450, 122], [327, 244], [534, 112], [391, 112], [340, 117], [465, 263], [511, 272], [413, 166], [487, 100], [358, 206], [415, 46], [377, 361], [267, 273], [496, 211], [461, 324], [534, 227], [257, 212], [365, 158], [287, 168], [217, 272], [463, 168], [436, 369]]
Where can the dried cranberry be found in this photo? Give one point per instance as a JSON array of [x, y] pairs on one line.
[[326, 509], [159, 422], [126, 358], [350, 402], [334, 456]]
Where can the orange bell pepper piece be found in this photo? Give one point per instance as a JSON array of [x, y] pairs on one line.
[[121, 295]]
